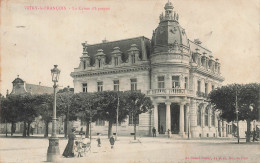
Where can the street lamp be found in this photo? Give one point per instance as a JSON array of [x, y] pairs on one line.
[[53, 149]]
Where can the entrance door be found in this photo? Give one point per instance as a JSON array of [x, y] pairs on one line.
[[161, 118], [175, 117]]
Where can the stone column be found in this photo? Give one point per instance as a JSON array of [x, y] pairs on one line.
[[168, 116], [224, 128], [155, 117], [202, 120], [188, 119], [182, 119], [220, 128], [193, 119]]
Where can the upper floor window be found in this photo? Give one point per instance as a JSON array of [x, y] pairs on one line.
[[175, 81], [133, 84], [131, 119], [84, 87], [100, 122], [116, 61], [133, 58], [206, 88], [186, 83], [198, 86], [99, 86], [160, 81], [116, 85]]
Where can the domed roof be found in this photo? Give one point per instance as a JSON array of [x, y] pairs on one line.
[[170, 32]]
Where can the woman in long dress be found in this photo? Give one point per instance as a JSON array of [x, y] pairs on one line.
[[69, 150]]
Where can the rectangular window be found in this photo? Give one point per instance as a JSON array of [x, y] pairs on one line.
[[131, 119], [206, 88], [198, 86], [133, 84], [186, 83], [116, 61], [84, 87], [160, 81], [213, 87], [100, 122], [116, 85], [175, 81], [133, 58], [99, 86]]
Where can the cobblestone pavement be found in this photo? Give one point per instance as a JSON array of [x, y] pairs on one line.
[[147, 149]]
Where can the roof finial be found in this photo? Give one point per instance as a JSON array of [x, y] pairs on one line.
[[17, 76]]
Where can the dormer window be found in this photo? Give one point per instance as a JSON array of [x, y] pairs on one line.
[[116, 61], [84, 65], [133, 58], [99, 63]]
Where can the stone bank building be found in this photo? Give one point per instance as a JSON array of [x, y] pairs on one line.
[[175, 72]]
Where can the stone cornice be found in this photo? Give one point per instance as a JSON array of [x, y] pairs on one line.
[[110, 71], [208, 74]]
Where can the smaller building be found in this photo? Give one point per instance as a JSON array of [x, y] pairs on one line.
[[20, 87]]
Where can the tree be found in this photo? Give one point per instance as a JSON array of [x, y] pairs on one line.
[[224, 99], [64, 99], [9, 111], [27, 111], [107, 106], [136, 104], [45, 109], [85, 104]]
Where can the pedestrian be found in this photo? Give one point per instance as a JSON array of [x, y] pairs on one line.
[[112, 141], [154, 132], [69, 150], [99, 140], [169, 133]]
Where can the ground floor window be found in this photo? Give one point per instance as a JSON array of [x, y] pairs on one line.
[[100, 122], [131, 119]]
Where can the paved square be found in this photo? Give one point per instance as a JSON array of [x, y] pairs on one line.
[[149, 150]]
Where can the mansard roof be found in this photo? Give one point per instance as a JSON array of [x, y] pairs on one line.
[[143, 44], [38, 89]]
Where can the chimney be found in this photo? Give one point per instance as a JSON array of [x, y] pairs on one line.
[[197, 41], [104, 41]]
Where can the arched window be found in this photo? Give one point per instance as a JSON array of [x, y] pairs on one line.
[[206, 117], [199, 116], [212, 118]]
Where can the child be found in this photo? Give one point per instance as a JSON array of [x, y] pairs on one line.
[[112, 141], [99, 140]]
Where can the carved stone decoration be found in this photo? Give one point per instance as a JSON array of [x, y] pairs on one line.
[[85, 46]]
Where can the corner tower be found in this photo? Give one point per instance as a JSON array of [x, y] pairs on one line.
[[170, 48]]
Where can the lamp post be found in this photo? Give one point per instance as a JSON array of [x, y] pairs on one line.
[[237, 119], [53, 149]]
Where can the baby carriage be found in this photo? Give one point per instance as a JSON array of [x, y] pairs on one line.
[[82, 147]]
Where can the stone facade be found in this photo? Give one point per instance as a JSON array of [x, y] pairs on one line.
[[175, 72]]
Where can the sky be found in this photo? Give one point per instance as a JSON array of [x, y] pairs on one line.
[[32, 41]]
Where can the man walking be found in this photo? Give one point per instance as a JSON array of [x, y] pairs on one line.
[[154, 132]]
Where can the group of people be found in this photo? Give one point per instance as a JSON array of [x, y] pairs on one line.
[[154, 132], [73, 145]]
